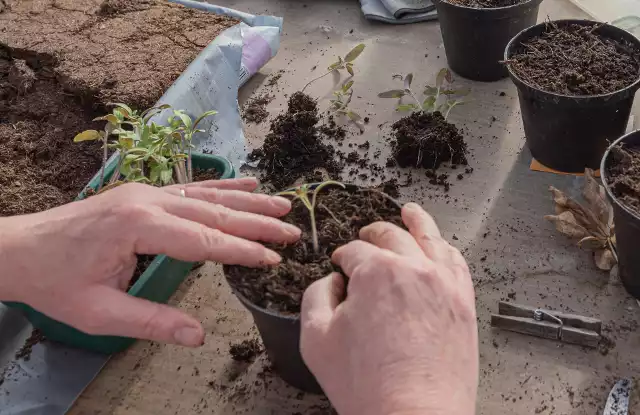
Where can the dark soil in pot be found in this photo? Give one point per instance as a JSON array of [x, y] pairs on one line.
[[294, 147], [274, 294], [576, 82], [426, 140], [624, 176], [475, 33]]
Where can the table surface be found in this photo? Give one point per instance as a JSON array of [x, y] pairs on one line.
[[495, 214]]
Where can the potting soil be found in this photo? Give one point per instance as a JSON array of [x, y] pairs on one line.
[[576, 60], [624, 173], [293, 149], [426, 140], [485, 4], [340, 215]]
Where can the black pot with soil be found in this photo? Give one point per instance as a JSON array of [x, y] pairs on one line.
[[576, 81], [620, 171], [274, 294], [475, 33]]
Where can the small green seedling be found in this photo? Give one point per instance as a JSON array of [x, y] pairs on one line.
[[148, 152], [431, 95], [302, 193], [341, 63], [340, 104]]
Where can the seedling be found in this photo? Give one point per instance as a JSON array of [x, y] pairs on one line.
[[148, 152], [340, 104], [431, 95], [302, 193], [341, 63]]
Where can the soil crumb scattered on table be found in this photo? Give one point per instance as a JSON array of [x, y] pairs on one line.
[[426, 140], [246, 351], [576, 60], [340, 215], [25, 351], [273, 80], [293, 148], [624, 176], [486, 4], [255, 110]]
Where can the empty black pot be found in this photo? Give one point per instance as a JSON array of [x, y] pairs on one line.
[[569, 133], [626, 221], [474, 39], [281, 337]]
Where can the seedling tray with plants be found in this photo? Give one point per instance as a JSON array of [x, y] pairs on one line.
[[148, 153]]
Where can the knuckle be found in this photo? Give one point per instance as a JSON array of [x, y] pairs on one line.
[[220, 214], [213, 195], [211, 237]]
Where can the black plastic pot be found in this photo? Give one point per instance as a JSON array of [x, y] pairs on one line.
[[627, 223], [281, 337], [474, 39], [569, 133]]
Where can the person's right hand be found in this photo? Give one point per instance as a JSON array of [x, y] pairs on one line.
[[405, 339]]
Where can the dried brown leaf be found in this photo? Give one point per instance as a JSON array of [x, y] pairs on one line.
[[584, 216], [591, 243], [567, 224], [596, 198], [605, 260]]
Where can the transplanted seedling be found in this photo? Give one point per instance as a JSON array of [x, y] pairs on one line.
[[431, 101], [148, 152], [341, 63], [302, 193], [340, 104]]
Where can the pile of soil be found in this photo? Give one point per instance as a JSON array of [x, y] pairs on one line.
[[40, 165], [293, 149], [426, 140], [127, 51], [486, 4], [201, 175], [576, 60], [340, 214], [624, 176], [246, 351], [255, 110]]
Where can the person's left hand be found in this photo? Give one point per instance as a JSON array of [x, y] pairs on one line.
[[74, 262]]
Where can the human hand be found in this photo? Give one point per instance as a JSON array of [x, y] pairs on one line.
[[405, 339], [74, 262]]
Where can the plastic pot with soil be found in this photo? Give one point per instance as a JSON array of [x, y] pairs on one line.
[[576, 81], [333, 212], [620, 171], [475, 33]]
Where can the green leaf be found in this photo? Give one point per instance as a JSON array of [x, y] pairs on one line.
[[155, 109], [186, 119], [109, 118], [346, 87], [407, 107], [353, 116], [429, 104], [430, 90], [126, 142], [124, 109], [166, 175], [350, 69], [88, 135], [394, 93], [354, 53], [203, 116], [407, 82], [457, 92], [336, 65], [442, 75]]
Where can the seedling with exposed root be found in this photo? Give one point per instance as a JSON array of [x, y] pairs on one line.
[[302, 192], [148, 152], [341, 63], [340, 104], [431, 95]]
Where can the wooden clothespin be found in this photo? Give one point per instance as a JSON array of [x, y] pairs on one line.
[[567, 328]]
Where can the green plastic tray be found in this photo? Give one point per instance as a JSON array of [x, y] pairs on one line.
[[161, 279]]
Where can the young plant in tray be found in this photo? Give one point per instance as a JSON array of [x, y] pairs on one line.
[[431, 100], [148, 152], [302, 192], [342, 63], [340, 104]]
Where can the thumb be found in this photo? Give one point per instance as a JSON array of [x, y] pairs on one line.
[[321, 299], [112, 312]]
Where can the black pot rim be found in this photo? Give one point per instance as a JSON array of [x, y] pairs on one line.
[[603, 175], [487, 9], [517, 79]]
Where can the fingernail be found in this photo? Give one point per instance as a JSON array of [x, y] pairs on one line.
[[188, 336], [292, 230], [412, 207], [273, 257], [281, 203]]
